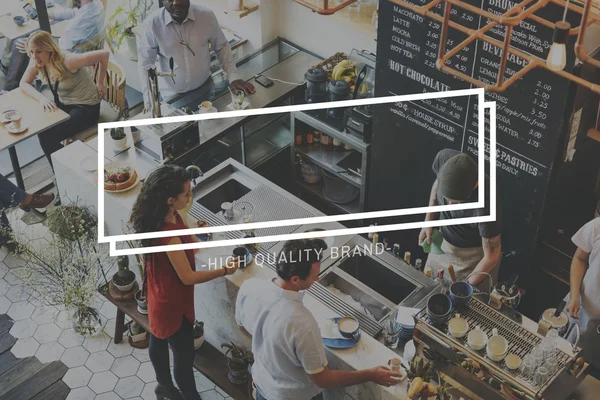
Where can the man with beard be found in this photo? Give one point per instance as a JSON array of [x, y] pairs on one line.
[[184, 32]]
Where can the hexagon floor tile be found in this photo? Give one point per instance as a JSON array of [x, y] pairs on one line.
[[212, 395], [109, 327], [18, 293], [49, 352], [25, 348], [75, 357], [129, 387], [69, 338], [20, 310], [120, 350], [103, 382], [84, 393], [110, 396], [23, 329], [4, 286], [148, 392], [203, 384], [47, 333], [77, 377], [100, 362], [13, 277], [125, 366], [45, 315], [4, 304], [63, 319], [13, 261], [3, 270], [146, 372], [97, 343], [141, 355]]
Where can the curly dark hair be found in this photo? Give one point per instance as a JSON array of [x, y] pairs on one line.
[[297, 257], [151, 207]]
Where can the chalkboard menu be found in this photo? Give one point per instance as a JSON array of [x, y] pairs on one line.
[[529, 113]]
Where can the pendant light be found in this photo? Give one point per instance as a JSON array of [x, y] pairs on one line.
[[557, 56]]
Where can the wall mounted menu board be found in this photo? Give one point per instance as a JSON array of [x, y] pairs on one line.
[[407, 136]]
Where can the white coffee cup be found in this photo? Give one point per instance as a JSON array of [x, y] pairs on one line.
[[16, 120], [477, 339], [205, 106], [497, 346]]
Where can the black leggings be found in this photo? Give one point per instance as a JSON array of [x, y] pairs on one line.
[[82, 117], [182, 344]]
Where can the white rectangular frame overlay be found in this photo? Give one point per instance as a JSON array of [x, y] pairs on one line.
[[378, 214]]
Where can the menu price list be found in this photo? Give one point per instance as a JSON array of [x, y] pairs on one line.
[[529, 113]]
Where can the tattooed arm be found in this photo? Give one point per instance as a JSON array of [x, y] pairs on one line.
[[492, 252]]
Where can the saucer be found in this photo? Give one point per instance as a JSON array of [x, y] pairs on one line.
[[210, 110], [89, 164], [12, 129], [344, 343]]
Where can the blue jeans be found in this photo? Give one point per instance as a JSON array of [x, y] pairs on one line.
[[259, 395], [10, 196]]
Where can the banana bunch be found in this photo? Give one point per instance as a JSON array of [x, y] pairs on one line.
[[345, 70]]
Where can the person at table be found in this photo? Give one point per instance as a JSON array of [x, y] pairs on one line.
[[12, 196], [184, 32], [85, 32], [72, 86], [472, 247], [289, 357], [583, 300], [170, 279]]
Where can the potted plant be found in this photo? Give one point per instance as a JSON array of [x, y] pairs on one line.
[[122, 25], [238, 361], [65, 265], [140, 295], [119, 137], [137, 333], [198, 334], [124, 278]]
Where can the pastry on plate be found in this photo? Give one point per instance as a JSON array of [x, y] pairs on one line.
[[119, 178]]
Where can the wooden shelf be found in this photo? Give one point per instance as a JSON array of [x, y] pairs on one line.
[[221, 6]]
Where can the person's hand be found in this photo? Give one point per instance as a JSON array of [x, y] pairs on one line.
[[574, 306], [101, 88], [49, 105], [425, 233], [21, 45], [384, 376], [231, 266], [202, 224], [247, 87]]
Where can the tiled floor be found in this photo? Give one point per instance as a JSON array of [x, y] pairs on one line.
[[99, 369]]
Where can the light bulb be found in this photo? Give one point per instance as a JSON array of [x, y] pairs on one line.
[[557, 57]]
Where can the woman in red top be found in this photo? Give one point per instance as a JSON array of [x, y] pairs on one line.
[[170, 280]]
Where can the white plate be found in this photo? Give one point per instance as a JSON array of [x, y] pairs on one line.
[[89, 164], [12, 129], [118, 165]]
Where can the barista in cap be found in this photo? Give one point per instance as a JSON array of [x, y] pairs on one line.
[[472, 247]]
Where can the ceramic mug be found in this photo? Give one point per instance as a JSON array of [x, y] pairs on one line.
[[458, 327], [349, 327], [477, 339], [19, 20], [497, 346], [243, 255]]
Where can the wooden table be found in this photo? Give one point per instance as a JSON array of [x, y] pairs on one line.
[[33, 116], [208, 360], [12, 31]]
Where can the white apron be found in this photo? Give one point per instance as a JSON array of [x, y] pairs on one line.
[[464, 261]]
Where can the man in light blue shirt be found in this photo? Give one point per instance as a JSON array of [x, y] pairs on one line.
[[85, 32], [184, 32], [289, 357]]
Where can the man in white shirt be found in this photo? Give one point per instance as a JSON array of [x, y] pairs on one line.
[[289, 357], [184, 32]]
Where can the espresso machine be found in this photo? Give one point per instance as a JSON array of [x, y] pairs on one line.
[[476, 375]]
